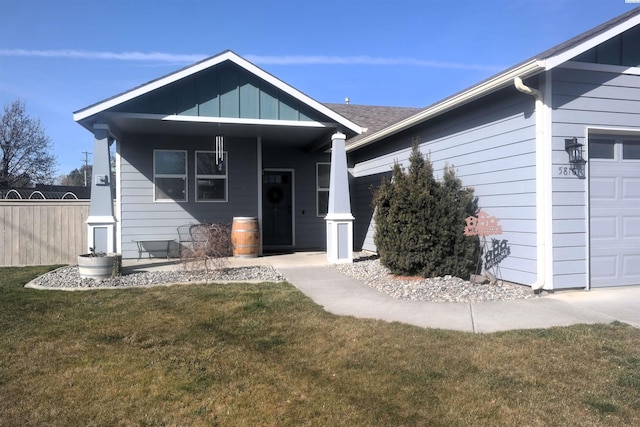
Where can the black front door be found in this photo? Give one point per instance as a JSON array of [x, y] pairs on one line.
[[277, 209]]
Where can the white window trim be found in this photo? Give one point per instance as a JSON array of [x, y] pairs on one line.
[[225, 177], [183, 176], [319, 189]]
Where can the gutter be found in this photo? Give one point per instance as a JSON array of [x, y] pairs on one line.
[[478, 91], [541, 178]]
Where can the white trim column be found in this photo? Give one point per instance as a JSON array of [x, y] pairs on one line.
[[101, 221], [259, 172], [339, 219]]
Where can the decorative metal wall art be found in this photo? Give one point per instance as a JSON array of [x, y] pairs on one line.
[[486, 225]]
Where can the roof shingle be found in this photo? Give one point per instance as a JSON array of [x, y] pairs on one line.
[[372, 118]]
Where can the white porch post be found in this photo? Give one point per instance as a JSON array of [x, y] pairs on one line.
[[101, 222], [339, 219]]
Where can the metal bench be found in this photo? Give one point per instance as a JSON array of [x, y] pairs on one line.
[[153, 245]]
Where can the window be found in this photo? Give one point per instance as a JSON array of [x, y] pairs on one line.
[[170, 175], [601, 148], [211, 177], [630, 150], [323, 171]]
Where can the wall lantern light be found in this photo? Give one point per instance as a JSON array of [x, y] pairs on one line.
[[576, 158]]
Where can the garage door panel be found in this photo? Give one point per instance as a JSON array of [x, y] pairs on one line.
[[603, 188], [604, 228], [604, 267], [631, 266], [631, 229], [631, 189]]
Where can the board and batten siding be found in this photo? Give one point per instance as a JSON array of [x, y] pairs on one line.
[[583, 100], [143, 218], [226, 90], [491, 145]]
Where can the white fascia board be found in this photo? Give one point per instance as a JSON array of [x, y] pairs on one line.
[[497, 82], [220, 120], [568, 54], [226, 56]]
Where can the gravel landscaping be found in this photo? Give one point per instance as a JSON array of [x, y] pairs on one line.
[[439, 289], [69, 278], [367, 269]]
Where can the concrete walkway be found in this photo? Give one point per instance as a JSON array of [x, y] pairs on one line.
[[342, 295]]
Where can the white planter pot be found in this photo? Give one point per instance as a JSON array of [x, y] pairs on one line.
[[95, 267]]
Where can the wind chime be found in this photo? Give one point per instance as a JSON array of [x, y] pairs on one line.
[[219, 151]]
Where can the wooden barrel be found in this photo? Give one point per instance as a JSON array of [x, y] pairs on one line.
[[245, 237]]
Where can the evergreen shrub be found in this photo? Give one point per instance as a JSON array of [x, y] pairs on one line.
[[420, 221]]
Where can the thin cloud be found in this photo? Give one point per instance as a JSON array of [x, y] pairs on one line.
[[363, 60], [257, 59], [117, 56]]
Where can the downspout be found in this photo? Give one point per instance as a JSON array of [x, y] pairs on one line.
[[541, 239]]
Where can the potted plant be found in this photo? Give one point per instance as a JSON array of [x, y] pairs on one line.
[[98, 265]]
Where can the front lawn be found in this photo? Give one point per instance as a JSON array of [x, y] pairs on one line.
[[264, 354]]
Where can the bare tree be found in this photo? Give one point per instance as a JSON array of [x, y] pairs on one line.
[[25, 149]]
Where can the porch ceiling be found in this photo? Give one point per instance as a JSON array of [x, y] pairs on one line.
[[307, 135]]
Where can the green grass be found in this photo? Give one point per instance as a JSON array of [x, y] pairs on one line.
[[264, 354]]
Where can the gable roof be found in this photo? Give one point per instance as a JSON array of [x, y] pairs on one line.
[[83, 115], [544, 61]]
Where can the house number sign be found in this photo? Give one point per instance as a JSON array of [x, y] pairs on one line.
[[565, 171]]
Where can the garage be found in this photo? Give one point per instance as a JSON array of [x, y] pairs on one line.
[[614, 188]]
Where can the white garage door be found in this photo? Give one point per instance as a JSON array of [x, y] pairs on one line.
[[614, 169]]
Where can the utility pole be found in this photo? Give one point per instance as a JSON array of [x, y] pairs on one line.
[[86, 165]]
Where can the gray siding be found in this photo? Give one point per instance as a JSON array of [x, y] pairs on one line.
[[492, 147], [582, 99], [143, 218], [364, 227]]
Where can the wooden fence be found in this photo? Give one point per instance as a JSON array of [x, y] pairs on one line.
[[42, 232]]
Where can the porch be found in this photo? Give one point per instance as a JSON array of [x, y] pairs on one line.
[[294, 259]]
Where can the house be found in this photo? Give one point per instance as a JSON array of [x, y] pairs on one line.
[[218, 140], [551, 147], [517, 139]]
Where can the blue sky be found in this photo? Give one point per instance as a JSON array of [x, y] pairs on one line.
[[61, 56]]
